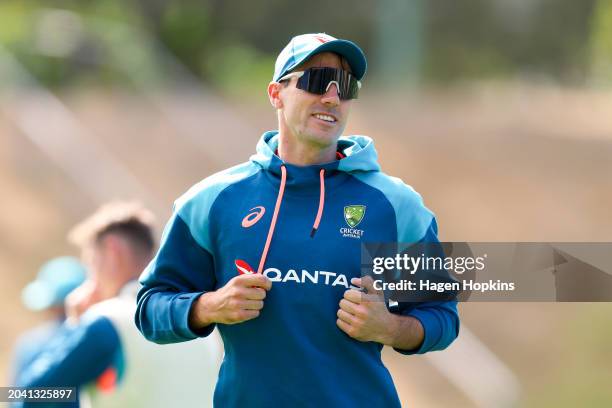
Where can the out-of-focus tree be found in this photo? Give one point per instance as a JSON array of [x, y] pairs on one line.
[[475, 39], [184, 27], [226, 42], [399, 50], [601, 44]]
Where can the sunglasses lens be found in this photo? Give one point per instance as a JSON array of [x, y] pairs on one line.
[[317, 81]]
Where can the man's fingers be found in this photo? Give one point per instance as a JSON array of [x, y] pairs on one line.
[[255, 279], [345, 316], [252, 305], [344, 326], [353, 295], [255, 293], [246, 314], [367, 283], [348, 306]]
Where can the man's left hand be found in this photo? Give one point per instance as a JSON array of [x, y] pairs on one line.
[[364, 316]]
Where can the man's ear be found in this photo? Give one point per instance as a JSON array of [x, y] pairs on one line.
[[274, 89], [110, 247], [116, 249]]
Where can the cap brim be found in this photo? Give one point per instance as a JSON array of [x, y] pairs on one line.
[[353, 54], [38, 296]]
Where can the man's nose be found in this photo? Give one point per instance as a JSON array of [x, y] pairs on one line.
[[331, 97]]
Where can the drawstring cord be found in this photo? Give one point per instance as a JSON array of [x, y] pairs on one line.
[[315, 226], [279, 198]]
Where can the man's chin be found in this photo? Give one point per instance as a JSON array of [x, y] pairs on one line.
[[326, 134], [323, 139]]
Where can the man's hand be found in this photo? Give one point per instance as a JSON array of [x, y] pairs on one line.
[[241, 299], [365, 317], [80, 299]]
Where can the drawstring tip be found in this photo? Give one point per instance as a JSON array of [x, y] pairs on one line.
[[313, 232]]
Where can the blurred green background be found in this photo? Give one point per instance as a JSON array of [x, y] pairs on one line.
[[497, 111], [230, 45]]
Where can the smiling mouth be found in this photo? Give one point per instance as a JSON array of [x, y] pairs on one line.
[[326, 118]]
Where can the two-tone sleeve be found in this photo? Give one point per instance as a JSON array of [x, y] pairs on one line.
[[440, 319], [179, 274]]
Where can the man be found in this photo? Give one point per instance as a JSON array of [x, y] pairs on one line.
[[101, 351], [46, 294], [296, 333]]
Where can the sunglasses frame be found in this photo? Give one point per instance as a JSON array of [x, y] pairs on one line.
[[299, 74]]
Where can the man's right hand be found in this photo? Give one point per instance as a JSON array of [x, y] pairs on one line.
[[80, 299], [241, 299]]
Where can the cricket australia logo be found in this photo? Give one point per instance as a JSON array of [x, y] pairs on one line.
[[353, 215]]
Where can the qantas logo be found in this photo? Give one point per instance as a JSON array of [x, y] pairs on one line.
[[243, 267], [254, 216], [304, 276]]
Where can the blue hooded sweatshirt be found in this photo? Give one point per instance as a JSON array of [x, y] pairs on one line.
[[301, 227]]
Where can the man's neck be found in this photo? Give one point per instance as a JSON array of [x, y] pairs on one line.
[[304, 154]]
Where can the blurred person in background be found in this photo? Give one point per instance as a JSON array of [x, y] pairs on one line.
[[296, 331], [100, 350], [46, 294]]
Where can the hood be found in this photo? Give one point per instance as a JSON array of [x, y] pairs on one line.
[[360, 156], [359, 151]]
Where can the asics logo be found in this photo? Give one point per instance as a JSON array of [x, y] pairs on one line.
[[243, 267], [254, 216]]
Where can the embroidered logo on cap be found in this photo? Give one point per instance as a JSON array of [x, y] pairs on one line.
[[322, 38]]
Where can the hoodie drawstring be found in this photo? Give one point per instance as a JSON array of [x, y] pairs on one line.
[[315, 226], [279, 199]]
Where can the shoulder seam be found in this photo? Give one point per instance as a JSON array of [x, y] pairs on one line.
[[407, 196], [246, 170]]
